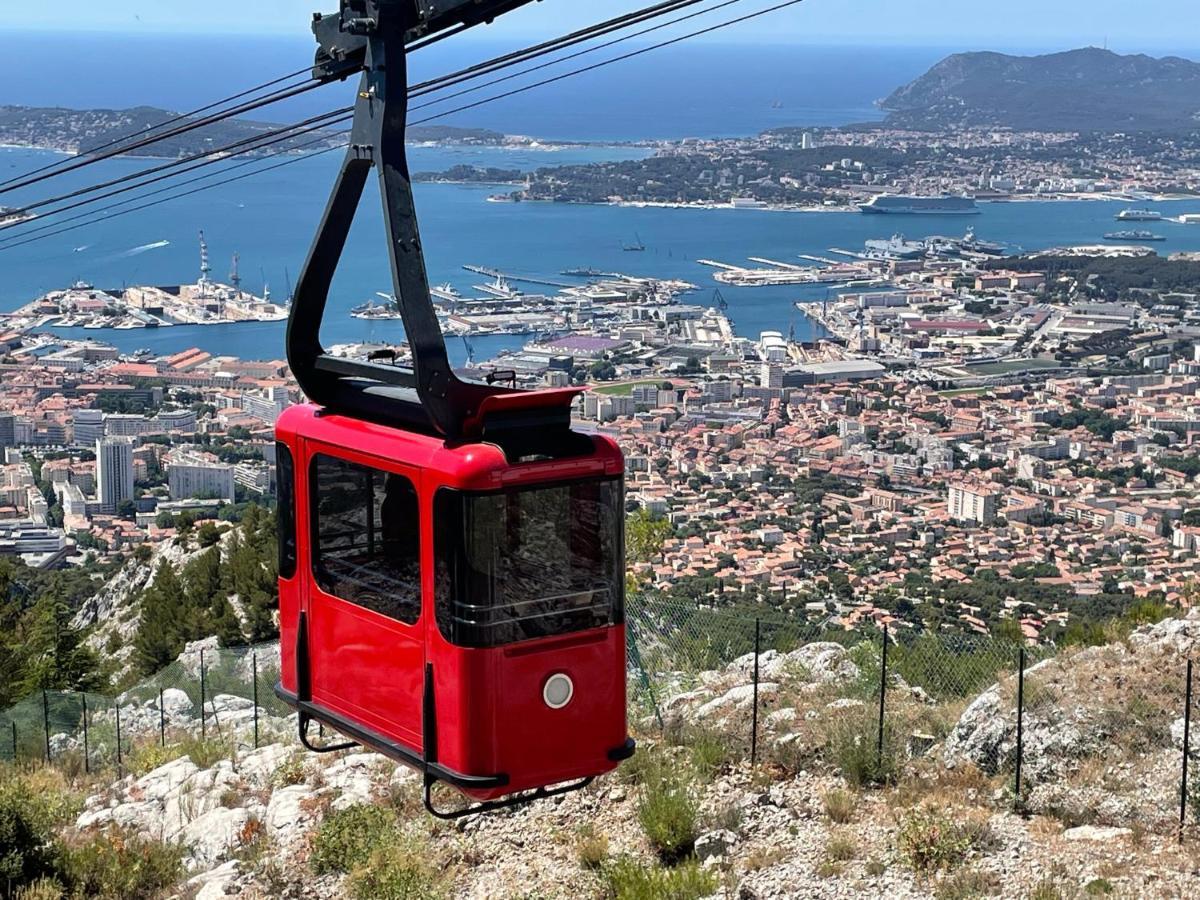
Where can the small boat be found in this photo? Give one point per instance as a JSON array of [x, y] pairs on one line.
[[637, 246]]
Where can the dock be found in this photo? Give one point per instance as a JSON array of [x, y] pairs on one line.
[[523, 279]]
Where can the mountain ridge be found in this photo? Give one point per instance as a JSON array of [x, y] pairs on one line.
[[1088, 89]]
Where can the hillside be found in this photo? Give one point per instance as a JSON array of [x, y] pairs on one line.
[[688, 818], [80, 130], [1079, 90]]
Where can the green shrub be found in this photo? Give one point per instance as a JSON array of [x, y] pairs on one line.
[[148, 757], [709, 751], [853, 745], [396, 871], [119, 865], [667, 814], [205, 752], [1099, 887], [289, 772], [26, 850], [31, 805], [348, 838], [628, 879], [931, 839]]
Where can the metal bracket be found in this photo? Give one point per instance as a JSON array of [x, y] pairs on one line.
[[372, 35], [513, 800]]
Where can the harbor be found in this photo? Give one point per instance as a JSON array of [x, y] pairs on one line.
[[205, 302]]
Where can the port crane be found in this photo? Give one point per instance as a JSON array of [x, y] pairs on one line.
[[451, 569]]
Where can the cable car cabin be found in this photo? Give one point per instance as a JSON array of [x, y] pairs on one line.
[[456, 611], [451, 571]]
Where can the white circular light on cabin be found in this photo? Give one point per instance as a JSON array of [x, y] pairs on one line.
[[558, 691]]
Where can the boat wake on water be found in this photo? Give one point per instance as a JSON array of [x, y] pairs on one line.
[[144, 248]]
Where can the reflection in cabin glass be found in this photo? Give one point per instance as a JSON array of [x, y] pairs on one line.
[[366, 538], [527, 564]]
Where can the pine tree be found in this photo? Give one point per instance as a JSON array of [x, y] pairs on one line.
[[160, 636]]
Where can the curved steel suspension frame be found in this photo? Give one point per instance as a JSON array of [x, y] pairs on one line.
[[429, 396]]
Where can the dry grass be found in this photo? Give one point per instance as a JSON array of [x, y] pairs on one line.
[[841, 847], [839, 805], [764, 858]]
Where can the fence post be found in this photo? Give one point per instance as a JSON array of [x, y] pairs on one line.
[[1020, 726], [754, 716], [118, 709], [14, 730], [254, 673], [1187, 741], [46, 722], [162, 720], [87, 765], [882, 699], [201, 692]]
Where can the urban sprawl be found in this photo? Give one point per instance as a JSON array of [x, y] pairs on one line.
[[977, 442]]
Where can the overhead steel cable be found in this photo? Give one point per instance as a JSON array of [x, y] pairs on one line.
[[608, 62], [307, 70], [191, 125], [561, 77], [99, 214], [144, 206], [422, 89], [577, 54], [115, 148], [245, 145], [290, 136], [517, 57]]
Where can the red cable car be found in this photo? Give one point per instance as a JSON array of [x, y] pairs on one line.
[[451, 577]]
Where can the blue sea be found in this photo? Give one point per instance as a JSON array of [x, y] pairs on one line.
[[270, 220]]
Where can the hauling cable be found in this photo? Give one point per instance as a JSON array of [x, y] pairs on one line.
[[163, 124], [561, 77]]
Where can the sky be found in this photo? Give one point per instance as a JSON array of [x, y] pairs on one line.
[[1144, 26]]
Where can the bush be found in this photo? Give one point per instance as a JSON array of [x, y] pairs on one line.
[[840, 848], [628, 879], [667, 814], [931, 839], [26, 850], [119, 865], [396, 871], [205, 752], [348, 838], [30, 807], [148, 757], [289, 772], [853, 745]]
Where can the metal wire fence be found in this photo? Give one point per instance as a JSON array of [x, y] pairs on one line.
[[1062, 731], [225, 694], [1065, 732]]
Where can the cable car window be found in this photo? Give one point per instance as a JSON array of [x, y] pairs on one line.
[[366, 538], [529, 563], [285, 516]]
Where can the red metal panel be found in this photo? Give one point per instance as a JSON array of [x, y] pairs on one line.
[[491, 715]]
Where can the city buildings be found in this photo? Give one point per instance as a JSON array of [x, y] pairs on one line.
[[114, 472]]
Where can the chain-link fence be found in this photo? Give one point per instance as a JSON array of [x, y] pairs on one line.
[[223, 694], [1074, 733], [1098, 735]]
